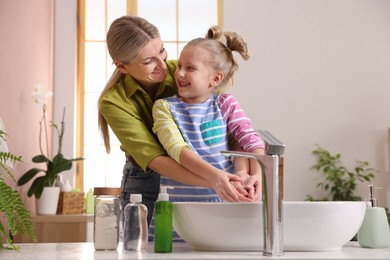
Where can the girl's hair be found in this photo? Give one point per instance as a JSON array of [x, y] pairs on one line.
[[126, 36], [220, 45]]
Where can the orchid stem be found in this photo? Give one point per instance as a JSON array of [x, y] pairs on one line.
[[45, 129], [61, 134]]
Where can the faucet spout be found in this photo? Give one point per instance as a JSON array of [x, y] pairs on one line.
[[272, 178]]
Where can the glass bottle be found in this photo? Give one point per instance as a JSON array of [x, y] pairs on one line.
[[106, 218]]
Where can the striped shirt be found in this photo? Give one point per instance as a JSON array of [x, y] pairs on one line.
[[203, 128]]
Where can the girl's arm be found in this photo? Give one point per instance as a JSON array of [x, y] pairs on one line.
[[239, 125], [254, 182], [247, 140]]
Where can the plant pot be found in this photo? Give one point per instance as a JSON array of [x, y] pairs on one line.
[[48, 202]]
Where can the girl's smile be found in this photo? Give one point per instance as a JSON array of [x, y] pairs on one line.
[[194, 77]]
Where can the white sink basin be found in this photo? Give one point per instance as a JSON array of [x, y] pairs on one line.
[[308, 226]]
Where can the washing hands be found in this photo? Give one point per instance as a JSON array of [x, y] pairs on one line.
[[250, 174], [249, 186]]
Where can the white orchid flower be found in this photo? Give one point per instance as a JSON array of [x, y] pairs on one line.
[[39, 94]]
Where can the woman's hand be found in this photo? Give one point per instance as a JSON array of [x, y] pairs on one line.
[[220, 180]]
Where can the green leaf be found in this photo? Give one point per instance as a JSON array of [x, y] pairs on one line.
[[37, 187], [60, 164], [28, 176], [40, 159], [13, 213]]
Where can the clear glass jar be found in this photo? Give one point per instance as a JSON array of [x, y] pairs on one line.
[[106, 218]]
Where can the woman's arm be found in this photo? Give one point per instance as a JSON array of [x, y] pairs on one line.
[[130, 127], [219, 179], [168, 167]]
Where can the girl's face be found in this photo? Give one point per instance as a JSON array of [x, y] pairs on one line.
[[195, 78], [148, 68]]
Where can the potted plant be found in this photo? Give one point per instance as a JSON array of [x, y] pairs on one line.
[[17, 218], [340, 182], [46, 183]]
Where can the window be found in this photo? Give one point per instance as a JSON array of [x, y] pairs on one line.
[[178, 21]]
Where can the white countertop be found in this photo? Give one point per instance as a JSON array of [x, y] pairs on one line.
[[181, 251]]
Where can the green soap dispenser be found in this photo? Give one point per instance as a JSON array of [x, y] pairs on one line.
[[374, 231], [163, 222]]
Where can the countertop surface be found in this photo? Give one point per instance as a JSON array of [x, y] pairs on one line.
[[181, 251]]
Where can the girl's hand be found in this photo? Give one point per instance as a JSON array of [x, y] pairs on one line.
[[253, 185], [243, 191], [243, 187], [238, 185], [250, 186], [222, 185]]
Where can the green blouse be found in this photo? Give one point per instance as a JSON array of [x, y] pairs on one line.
[[127, 109]]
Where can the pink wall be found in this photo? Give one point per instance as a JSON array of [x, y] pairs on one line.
[[26, 51]]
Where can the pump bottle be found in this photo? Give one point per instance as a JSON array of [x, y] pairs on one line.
[[135, 226], [374, 231], [163, 223], [89, 202]]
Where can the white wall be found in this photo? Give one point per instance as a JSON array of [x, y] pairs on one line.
[[38, 40], [26, 59], [65, 65], [318, 74]]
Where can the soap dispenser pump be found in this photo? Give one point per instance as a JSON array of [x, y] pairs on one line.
[[374, 231], [163, 222]]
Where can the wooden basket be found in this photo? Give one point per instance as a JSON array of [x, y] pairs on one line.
[[71, 203]]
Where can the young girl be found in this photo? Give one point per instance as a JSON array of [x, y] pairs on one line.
[[194, 125]]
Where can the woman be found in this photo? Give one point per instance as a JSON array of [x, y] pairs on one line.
[[142, 76]]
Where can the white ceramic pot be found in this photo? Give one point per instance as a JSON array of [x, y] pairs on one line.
[[48, 202]]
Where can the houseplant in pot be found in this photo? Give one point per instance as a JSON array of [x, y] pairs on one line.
[[15, 217], [43, 186], [340, 182]]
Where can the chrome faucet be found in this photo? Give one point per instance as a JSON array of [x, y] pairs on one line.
[[272, 177]]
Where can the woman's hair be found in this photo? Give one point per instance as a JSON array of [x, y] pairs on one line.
[[126, 36], [220, 45]]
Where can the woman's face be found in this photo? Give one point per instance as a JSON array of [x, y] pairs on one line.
[[148, 68], [195, 78]]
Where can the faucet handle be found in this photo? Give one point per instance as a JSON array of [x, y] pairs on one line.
[[272, 145]]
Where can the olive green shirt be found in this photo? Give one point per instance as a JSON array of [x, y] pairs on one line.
[[127, 109]]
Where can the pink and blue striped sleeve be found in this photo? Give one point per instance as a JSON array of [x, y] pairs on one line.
[[238, 124]]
